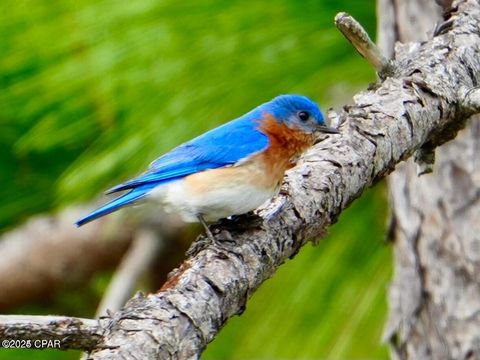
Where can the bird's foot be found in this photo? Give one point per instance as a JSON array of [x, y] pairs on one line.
[[243, 221], [210, 234], [222, 235]]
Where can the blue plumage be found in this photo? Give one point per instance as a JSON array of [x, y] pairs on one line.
[[224, 146], [126, 199]]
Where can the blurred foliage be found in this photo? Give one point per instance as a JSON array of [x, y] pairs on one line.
[[92, 91]]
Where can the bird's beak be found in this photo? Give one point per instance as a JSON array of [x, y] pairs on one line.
[[327, 129]]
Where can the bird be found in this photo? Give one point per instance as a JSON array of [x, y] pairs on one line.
[[229, 170]]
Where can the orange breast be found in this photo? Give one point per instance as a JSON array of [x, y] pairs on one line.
[[285, 145], [264, 170]]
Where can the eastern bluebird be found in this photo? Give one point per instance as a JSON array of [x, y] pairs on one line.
[[229, 170]]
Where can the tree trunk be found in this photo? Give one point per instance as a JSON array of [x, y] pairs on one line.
[[435, 294]]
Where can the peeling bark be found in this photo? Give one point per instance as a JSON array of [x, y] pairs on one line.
[[435, 295], [419, 104]]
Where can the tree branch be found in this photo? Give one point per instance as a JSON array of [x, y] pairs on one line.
[[68, 332], [418, 104], [358, 37]]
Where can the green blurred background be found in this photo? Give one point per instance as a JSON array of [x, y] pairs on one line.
[[92, 91]]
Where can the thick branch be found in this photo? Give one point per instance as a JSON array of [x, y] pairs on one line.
[[419, 104], [433, 297], [68, 332]]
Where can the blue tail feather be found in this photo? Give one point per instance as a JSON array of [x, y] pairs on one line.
[[126, 199]]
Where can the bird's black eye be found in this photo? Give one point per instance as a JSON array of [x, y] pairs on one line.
[[303, 115]]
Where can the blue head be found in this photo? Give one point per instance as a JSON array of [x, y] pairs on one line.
[[298, 111]]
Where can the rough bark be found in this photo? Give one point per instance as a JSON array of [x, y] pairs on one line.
[[435, 294], [421, 103]]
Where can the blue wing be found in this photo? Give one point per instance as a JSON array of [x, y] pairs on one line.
[[126, 199], [223, 146]]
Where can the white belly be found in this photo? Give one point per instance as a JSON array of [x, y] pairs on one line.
[[212, 205], [215, 194]]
